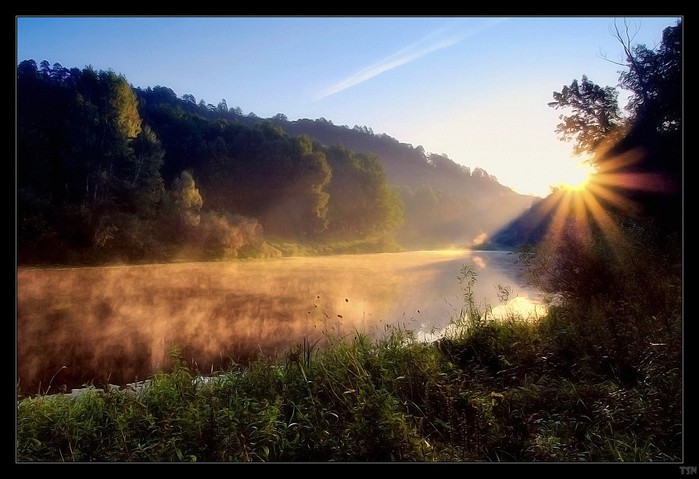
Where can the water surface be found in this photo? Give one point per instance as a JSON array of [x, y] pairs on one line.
[[118, 324]]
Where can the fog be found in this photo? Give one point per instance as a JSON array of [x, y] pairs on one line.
[[118, 324]]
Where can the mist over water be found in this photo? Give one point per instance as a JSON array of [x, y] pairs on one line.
[[118, 324]]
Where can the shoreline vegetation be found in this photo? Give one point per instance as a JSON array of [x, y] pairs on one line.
[[286, 249], [576, 385], [114, 324], [108, 173]]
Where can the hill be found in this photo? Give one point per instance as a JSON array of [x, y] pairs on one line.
[[111, 172], [446, 202]]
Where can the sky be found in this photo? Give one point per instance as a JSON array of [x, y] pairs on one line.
[[475, 89]]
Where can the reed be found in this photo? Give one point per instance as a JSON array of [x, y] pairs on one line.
[[562, 388]]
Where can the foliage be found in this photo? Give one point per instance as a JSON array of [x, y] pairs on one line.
[[226, 235], [599, 378], [655, 79], [111, 173], [445, 204], [184, 202], [563, 388], [630, 246], [595, 114], [641, 154], [638, 156], [363, 202]]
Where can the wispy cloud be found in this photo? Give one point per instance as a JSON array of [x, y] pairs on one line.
[[431, 43], [407, 55]]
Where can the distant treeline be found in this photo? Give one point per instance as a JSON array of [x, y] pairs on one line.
[[109, 172]]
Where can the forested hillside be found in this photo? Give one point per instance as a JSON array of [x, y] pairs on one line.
[[445, 203], [110, 172]]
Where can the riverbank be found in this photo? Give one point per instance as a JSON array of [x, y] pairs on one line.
[[116, 324], [504, 391], [599, 378]]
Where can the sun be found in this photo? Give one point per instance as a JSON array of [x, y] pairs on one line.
[[589, 204], [578, 178]]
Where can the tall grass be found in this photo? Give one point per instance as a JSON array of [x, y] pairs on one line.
[[564, 388]]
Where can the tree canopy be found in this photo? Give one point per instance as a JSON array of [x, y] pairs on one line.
[[107, 171], [639, 153]]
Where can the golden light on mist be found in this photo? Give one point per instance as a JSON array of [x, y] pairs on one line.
[[480, 238], [118, 324], [479, 261], [524, 309]]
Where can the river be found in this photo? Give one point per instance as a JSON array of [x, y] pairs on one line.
[[118, 324]]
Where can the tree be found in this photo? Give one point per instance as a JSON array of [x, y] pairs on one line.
[[224, 235], [299, 175], [595, 117], [362, 202], [122, 113], [654, 77], [184, 202], [142, 177], [103, 121], [645, 147], [599, 241]]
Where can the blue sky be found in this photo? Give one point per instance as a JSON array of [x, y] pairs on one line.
[[473, 88]]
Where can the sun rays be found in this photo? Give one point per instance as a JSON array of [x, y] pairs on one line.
[[578, 178], [589, 207]]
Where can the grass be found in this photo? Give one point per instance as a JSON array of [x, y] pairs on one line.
[[564, 388]]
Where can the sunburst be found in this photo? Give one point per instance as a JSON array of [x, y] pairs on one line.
[[588, 206], [579, 177]]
